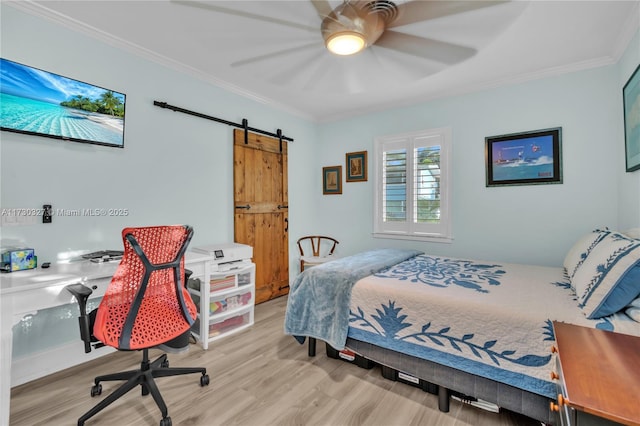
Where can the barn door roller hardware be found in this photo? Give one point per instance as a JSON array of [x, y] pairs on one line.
[[244, 125]]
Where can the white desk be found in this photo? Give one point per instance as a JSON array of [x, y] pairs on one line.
[[26, 292]]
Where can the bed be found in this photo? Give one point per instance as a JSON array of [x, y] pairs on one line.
[[479, 328]]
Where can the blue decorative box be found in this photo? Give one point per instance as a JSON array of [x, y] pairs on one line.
[[18, 259]]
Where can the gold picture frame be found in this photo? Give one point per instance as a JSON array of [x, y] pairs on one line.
[[356, 166], [332, 180]]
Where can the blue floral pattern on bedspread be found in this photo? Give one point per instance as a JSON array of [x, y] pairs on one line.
[[489, 320], [444, 272], [391, 322]]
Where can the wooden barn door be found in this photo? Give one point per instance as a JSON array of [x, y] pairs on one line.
[[261, 209]]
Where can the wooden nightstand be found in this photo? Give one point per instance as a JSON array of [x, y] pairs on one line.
[[598, 376]]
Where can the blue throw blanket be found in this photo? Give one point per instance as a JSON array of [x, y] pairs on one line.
[[319, 298]]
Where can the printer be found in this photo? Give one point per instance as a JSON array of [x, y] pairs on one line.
[[227, 257]]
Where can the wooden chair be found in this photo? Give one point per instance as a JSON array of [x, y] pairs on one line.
[[322, 249]]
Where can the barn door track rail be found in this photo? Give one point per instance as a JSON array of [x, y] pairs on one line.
[[244, 125]]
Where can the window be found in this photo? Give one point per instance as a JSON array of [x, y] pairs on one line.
[[412, 186]]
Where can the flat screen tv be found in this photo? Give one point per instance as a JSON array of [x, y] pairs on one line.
[[40, 103]]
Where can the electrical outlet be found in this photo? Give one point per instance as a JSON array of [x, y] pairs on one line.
[[47, 213]]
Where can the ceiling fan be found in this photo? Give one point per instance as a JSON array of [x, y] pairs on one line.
[[353, 27]]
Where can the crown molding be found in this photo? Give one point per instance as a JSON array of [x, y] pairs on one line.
[[629, 29], [476, 87], [41, 11]]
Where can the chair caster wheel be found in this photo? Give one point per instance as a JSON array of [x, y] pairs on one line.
[[96, 390], [204, 380], [165, 421], [165, 364]]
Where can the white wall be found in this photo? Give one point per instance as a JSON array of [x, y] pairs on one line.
[[178, 169], [175, 168], [529, 224]]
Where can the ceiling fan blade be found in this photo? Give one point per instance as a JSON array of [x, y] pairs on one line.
[[279, 53], [212, 6], [322, 7], [299, 70], [420, 10], [426, 48], [403, 67]]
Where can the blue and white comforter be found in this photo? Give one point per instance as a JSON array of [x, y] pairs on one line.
[[318, 304], [488, 319]]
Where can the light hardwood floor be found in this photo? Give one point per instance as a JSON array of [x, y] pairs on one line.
[[258, 377]]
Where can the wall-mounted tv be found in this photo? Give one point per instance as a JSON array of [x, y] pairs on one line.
[[37, 102]]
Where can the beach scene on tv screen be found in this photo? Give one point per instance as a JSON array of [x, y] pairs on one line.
[[40, 102]]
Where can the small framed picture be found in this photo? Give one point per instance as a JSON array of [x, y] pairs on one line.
[[631, 99], [528, 158], [357, 166], [332, 180]]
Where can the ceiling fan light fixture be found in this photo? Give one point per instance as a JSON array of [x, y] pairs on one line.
[[346, 43]]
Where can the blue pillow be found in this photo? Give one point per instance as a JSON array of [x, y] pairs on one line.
[[609, 277], [627, 289]]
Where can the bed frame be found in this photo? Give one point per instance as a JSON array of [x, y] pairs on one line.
[[450, 379]]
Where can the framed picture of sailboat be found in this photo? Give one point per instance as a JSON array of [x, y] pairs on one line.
[[527, 158], [332, 180]]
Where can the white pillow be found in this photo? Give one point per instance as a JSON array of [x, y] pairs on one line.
[[609, 277], [578, 253]]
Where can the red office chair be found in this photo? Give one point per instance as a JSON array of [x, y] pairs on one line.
[[146, 305]]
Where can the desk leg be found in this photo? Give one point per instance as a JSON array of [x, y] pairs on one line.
[[6, 346]]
